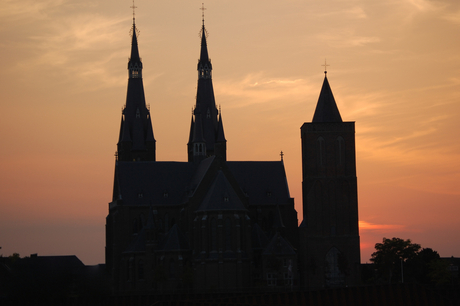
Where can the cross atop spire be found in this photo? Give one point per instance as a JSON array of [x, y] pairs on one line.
[[134, 12], [202, 8], [325, 66]]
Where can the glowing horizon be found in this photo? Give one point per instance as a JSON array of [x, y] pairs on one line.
[[394, 70]]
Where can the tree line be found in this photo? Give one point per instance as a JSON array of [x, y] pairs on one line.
[[397, 260]]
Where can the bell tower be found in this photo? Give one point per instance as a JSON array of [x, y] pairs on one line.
[[329, 231]]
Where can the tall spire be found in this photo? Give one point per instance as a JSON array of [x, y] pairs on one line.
[[135, 63], [205, 105], [326, 108], [136, 140]]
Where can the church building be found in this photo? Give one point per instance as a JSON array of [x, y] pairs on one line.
[[210, 224]]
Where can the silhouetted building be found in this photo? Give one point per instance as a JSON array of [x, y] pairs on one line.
[[329, 230], [50, 280], [207, 224]]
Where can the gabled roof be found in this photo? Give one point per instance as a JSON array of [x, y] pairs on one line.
[[221, 196], [326, 108], [263, 182], [279, 246], [175, 240], [172, 183], [200, 172]]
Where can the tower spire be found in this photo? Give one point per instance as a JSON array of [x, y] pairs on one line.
[[210, 121], [136, 140], [326, 108]]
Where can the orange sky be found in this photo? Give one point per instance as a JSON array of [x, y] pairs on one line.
[[394, 69]]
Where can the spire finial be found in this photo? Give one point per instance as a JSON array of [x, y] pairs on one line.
[[202, 8], [282, 155], [134, 12], [325, 66]]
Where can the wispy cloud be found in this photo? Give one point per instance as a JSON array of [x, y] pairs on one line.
[[27, 10], [259, 88], [363, 225], [453, 16], [346, 39], [422, 5]]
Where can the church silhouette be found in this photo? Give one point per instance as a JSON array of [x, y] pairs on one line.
[[210, 224]]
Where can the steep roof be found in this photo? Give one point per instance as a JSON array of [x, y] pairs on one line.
[[136, 125], [221, 196], [326, 108], [205, 111], [134, 58]]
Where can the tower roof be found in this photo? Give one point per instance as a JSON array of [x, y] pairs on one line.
[[206, 116], [326, 108], [204, 57], [136, 140], [134, 47]]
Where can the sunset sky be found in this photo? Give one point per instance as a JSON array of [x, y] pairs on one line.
[[394, 69]]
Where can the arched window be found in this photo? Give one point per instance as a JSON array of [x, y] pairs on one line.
[[334, 268], [228, 234]]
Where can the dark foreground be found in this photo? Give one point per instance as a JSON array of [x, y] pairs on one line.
[[381, 295]]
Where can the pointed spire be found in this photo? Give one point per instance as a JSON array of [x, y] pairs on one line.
[[326, 108], [204, 57], [204, 63], [206, 115], [136, 140], [135, 63], [134, 48]]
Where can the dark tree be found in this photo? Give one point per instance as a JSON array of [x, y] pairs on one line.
[[420, 267], [390, 256]]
